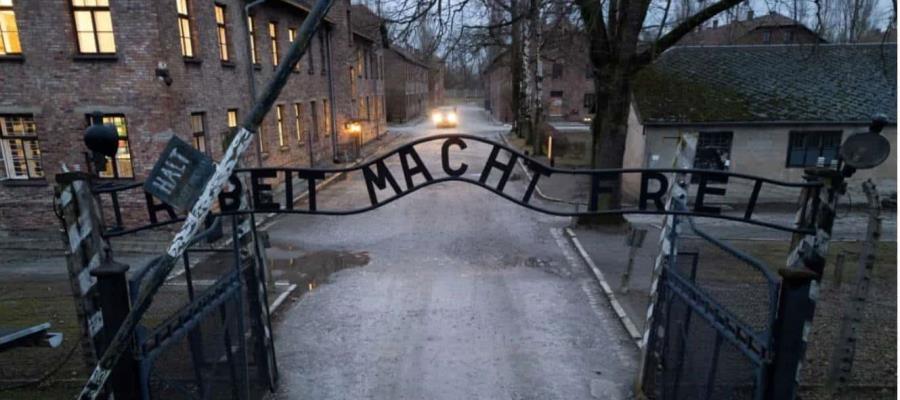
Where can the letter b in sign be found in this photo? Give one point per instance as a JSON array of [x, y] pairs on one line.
[[179, 175]]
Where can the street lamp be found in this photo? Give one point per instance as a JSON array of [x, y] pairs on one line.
[[102, 140], [867, 150]]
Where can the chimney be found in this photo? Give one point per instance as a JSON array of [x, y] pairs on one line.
[[749, 15], [715, 23]]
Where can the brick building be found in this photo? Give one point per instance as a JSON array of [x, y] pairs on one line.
[[568, 87], [157, 69], [406, 86], [772, 28], [367, 91]]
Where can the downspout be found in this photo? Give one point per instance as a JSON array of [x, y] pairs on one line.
[[334, 132], [251, 78]]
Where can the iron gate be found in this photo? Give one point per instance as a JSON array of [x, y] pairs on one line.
[[695, 344]]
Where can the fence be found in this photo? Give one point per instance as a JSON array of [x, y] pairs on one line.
[[207, 336]]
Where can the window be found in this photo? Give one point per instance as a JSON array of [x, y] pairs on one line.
[[232, 118], [9, 32], [273, 38], [590, 101], [279, 123], [314, 112], [292, 34], [198, 131], [326, 112], [222, 33], [322, 54], [121, 166], [309, 58], [263, 144], [20, 151], [767, 37], [93, 25], [184, 28], [251, 29], [297, 122], [557, 71], [805, 148], [713, 152], [368, 110]]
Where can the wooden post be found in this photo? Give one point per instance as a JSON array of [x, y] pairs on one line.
[[839, 269], [85, 250], [845, 347]]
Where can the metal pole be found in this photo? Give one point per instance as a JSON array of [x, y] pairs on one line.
[[845, 348], [164, 264], [113, 290], [800, 286]]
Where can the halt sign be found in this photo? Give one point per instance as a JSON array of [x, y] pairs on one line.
[[179, 175]]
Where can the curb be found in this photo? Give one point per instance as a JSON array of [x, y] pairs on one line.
[[537, 188], [607, 290], [282, 297]]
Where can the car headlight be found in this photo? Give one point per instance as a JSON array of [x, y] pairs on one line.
[[437, 117], [451, 117]]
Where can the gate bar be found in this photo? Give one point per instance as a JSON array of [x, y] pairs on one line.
[[201, 208]]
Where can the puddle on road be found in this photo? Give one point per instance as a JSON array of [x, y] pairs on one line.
[[309, 270]]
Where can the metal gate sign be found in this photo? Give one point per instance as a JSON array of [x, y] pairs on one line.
[[179, 175]]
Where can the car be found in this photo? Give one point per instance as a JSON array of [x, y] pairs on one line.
[[445, 117]]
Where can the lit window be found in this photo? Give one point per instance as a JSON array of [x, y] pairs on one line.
[[120, 166], [292, 34], [251, 28], [232, 118], [198, 131], [9, 32], [297, 122], [20, 152], [326, 112], [279, 123], [273, 38], [184, 28], [222, 32], [93, 25]]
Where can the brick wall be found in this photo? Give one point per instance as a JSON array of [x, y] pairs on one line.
[[406, 86], [58, 87]]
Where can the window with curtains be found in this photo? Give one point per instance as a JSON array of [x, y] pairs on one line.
[[222, 33], [9, 31], [20, 150], [184, 28], [93, 27]]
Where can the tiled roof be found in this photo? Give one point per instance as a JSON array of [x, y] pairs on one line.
[[758, 84]]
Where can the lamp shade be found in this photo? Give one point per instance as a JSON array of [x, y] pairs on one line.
[[103, 139]]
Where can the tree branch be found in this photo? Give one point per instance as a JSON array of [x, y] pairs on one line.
[[682, 29]]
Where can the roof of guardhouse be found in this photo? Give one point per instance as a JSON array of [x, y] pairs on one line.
[[825, 83]]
